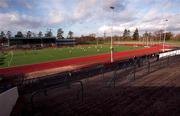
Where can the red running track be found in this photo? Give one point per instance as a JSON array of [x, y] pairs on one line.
[[77, 61]]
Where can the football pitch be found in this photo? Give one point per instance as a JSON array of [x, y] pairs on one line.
[[24, 57]]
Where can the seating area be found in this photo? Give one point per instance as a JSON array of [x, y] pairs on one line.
[[63, 42]]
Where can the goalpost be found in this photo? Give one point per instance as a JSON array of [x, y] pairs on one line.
[[11, 57]]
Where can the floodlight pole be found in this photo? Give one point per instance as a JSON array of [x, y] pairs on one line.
[[160, 38], [164, 35], [112, 35]]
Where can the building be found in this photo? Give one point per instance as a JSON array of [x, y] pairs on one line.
[[65, 42], [40, 41], [48, 41]]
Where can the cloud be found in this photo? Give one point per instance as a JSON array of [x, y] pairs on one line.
[[16, 21], [119, 5], [173, 25], [94, 14], [150, 18], [104, 28], [26, 4], [13, 4], [55, 17], [3, 4], [152, 14], [84, 9]]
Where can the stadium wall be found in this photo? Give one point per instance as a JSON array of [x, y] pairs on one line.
[[7, 101]]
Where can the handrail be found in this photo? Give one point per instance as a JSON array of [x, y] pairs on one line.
[[55, 86]]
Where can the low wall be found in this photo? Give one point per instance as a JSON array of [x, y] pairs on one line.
[[171, 53], [7, 101]]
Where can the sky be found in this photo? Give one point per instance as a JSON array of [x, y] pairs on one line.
[[89, 16]]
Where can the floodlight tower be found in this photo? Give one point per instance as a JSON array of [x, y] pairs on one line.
[[104, 35], [164, 34], [112, 8], [160, 33], [139, 41]]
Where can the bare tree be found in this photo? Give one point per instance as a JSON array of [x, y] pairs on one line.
[[177, 37], [158, 35], [92, 35]]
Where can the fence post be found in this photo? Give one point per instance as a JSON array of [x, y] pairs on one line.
[[149, 66], [114, 76], [102, 72], [82, 90], [168, 60], [134, 70]]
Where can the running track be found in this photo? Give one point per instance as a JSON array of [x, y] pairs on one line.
[[104, 58]]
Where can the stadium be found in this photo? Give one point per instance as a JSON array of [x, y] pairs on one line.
[[77, 67], [108, 73]]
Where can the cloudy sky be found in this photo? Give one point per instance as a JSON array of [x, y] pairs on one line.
[[89, 16]]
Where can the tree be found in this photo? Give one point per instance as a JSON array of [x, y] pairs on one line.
[[2, 38], [29, 34], [8, 34], [33, 34], [60, 33], [70, 34], [2, 35], [93, 35], [126, 34], [19, 34], [146, 37], [169, 35], [158, 35], [49, 34], [145, 34], [136, 34], [40, 34], [177, 37]]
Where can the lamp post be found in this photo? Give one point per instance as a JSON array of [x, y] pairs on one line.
[[160, 39], [112, 35], [164, 35]]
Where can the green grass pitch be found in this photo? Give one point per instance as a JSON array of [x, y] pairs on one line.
[[19, 57]]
